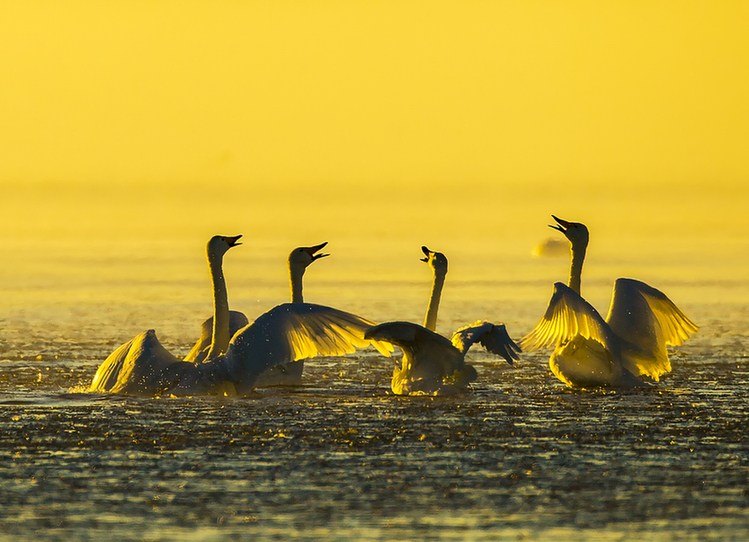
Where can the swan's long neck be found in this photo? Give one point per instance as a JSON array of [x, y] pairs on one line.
[[295, 276], [430, 322], [220, 341], [576, 269]]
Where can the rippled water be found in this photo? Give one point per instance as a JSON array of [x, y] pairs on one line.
[[518, 457]]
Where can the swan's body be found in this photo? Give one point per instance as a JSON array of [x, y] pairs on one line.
[[143, 365], [630, 342], [431, 363]]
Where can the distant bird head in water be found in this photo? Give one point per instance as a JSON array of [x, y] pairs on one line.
[[301, 257], [436, 260], [574, 231], [218, 245]]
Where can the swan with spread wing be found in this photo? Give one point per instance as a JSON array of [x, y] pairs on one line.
[[290, 373], [431, 363], [631, 342]]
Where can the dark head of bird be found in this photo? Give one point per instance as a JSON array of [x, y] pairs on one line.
[[436, 260], [576, 232]]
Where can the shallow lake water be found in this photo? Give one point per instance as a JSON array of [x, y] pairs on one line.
[[518, 457]]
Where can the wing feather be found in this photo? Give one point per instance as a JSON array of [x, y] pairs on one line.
[[567, 315], [492, 337], [647, 320], [137, 367], [294, 331]]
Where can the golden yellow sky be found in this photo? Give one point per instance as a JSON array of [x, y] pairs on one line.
[[350, 91]]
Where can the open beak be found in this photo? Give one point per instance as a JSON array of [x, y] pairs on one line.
[[312, 250], [427, 253], [561, 225], [232, 241]]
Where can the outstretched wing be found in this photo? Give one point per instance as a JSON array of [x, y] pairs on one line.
[[649, 321], [492, 337], [567, 315], [295, 331]]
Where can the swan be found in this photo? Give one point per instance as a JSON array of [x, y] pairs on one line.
[[290, 374], [630, 342], [432, 364], [143, 366], [271, 350]]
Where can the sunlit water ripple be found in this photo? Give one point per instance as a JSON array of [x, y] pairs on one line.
[[519, 456]]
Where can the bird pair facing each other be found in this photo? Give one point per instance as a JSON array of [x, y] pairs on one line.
[[232, 355]]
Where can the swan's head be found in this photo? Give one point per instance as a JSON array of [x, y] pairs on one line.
[[219, 244], [436, 260], [574, 231], [301, 257]]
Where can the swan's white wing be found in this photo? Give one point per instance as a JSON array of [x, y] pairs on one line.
[[294, 331], [645, 318], [137, 367], [567, 315], [492, 337], [237, 321]]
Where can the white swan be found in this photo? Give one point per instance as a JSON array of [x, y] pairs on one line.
[[591, 351], [143, 365], [431, 363], [290, 374]]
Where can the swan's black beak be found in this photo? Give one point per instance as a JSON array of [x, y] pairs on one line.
[[562, 225], [312, 250], [232, 241], [427, 253]]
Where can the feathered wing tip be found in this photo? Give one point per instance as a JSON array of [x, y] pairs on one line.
[[330, 332], [493, 337], [567, 315]]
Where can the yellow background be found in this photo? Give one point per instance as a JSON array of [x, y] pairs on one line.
[[372, 92]]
